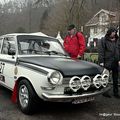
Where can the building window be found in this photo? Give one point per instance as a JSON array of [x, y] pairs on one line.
[[103, 18], [95, 30]]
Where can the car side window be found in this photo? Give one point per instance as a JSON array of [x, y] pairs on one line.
[[8, 46]]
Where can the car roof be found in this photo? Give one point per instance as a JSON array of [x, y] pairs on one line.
[[29, 34]]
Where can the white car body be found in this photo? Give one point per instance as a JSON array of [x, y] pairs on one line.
[[49, 74]]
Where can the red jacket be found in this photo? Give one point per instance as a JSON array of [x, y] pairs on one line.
[[75, 45]]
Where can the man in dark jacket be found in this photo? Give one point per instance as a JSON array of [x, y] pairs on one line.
[[74, 43], [109, 56]]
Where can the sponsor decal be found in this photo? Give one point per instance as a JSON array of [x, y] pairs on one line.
[[2, 67], [16, 71]]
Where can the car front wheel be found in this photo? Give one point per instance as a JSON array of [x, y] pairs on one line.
[[25, 97]]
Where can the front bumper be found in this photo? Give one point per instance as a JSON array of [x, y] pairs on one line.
[[70, 98]]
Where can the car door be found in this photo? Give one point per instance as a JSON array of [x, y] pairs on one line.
[[7, 62]]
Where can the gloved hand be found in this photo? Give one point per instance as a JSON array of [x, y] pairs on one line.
[[119, 63], [78, 57], [102, 64]]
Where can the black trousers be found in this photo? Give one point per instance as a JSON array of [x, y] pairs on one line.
[[115, 74]]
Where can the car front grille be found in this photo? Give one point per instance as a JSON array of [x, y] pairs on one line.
[[67, 90]]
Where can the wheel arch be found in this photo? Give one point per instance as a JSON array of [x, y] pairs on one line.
[[21, 78], [15, 89]]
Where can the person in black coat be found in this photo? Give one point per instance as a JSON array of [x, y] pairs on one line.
[[109, 56]]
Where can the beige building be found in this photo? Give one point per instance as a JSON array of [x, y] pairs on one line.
[[100, 22]]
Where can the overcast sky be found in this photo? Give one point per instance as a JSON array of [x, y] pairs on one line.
[[5, 1], [2, 1]]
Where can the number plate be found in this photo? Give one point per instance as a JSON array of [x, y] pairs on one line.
[[82, 100]]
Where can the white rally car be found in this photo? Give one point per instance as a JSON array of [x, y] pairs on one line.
[[37, 67]]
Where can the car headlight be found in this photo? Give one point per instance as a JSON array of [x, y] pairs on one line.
[[55, 78], [85, 82], [105, 77], [105, 71], [97, 81], [74, 83]]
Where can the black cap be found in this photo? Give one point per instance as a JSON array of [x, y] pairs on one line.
[[109, 32], [112, 29], [70, 27]]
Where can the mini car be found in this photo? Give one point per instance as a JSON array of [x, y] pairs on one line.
[[33, 67]]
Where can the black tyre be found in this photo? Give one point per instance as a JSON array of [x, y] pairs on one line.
[[26, 97]]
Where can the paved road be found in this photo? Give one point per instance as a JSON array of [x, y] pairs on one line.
[[100, 109]]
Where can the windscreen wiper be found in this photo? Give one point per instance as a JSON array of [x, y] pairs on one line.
[[55, 52]]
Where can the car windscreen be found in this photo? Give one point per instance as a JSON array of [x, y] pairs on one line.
[[28, 44]]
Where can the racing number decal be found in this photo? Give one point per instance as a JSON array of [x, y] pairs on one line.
[[2, 67], [2, 78]]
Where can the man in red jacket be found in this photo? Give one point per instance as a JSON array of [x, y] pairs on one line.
[[74, 43]]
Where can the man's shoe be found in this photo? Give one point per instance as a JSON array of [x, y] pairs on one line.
[[117, 96], [106, 95]]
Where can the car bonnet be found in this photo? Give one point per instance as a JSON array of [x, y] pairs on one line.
[[66, 66]]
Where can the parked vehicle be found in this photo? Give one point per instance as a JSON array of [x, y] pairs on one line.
[[38, 67]]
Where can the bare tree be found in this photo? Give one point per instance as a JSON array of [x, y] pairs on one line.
[[49, 16], [45, 3], [66, 12]]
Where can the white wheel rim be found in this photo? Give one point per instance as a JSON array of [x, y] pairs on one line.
[[23, 96]]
